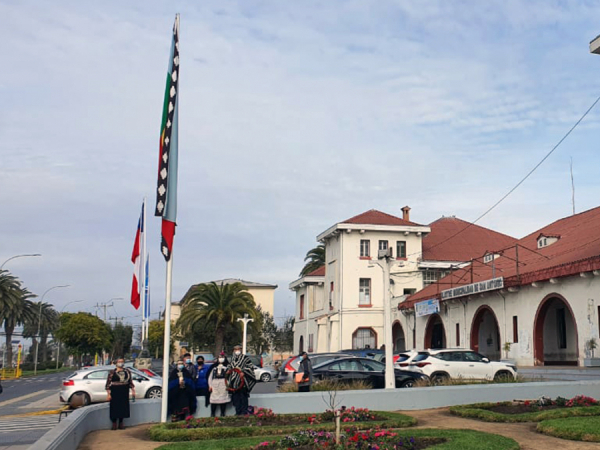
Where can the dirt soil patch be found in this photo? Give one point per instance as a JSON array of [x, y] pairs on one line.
[[523, 433]]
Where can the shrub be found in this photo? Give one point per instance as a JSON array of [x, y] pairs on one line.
[[329, 385]]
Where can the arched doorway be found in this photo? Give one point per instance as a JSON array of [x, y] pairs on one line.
[[301, 345], [555, 333], [398, 337], [485, 333], [435, 334]]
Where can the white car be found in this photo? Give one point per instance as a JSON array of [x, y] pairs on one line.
[[90, 383], [460, 363], [403, 359]]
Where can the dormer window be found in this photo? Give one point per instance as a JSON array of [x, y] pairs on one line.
[[489, 257], [545, 241]]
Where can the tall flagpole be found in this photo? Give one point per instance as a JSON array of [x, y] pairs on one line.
[[167, 339], [142, 282]]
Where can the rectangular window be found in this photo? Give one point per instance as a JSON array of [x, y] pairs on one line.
[[364, 292], [409, 291], [515, 329], [383, 245], [331, 296], [310, 343], [400, 249], [414, 338], [365, 248], [561, 328], [458, 335], [302, 307]]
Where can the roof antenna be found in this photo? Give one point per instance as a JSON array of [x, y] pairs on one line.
[[572, 187]]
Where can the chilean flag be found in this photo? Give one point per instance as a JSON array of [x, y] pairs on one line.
[[136, 260]]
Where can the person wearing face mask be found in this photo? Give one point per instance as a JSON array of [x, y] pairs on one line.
[[307, 375], [189, 365], [118, 384], [240, 380], [182, 393], [202, 379], [217, 386]]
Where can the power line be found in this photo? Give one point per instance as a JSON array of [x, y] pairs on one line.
[[523, 179]]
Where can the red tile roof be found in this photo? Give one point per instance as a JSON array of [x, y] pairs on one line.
[[374, 217], [320, 272], [577, 250], [444, 244]]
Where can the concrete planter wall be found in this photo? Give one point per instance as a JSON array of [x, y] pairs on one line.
[[69, 433], [591, 362]]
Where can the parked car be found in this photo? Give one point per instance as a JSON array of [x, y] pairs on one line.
[[290, 366], [149, 373], [265, 374], [403, 359], [364, 369], [460, 363], [372, 353], [257, 360], [90, 383]]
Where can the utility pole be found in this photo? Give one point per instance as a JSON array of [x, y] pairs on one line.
[[116, 319]]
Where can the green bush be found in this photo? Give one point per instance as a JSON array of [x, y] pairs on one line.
[[329, 385], [482, 411], [165, 432], [572, 428]]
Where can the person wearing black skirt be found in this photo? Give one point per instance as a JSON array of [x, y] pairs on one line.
[[118, 384]]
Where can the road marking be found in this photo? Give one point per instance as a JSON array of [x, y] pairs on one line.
[[26, 424], [23, 397]]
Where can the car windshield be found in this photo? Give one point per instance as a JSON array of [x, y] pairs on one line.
[[421, 356]]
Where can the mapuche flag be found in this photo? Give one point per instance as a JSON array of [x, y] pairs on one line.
[[138, 250], [166, 194]]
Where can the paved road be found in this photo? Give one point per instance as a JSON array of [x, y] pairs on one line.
[[28, 385], [19, 433]]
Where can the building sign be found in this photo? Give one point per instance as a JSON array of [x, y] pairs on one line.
[[475, 288], [427, 307]]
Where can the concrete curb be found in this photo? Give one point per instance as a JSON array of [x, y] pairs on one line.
[[37, 413]]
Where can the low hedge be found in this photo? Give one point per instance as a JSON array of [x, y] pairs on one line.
[[164, 433], [481, 411], [457, 440], [572, 428]]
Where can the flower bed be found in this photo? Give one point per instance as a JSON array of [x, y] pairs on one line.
[[543, 408], [265, 422]]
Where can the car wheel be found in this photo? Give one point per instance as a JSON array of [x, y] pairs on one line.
[[439, 378], [503, 376], [154, 392], [265, 377], [408, 384], [79, 399]]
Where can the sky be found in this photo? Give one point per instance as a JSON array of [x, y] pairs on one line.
[[293, 116]]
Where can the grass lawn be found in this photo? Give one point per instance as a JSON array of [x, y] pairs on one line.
[[165, 432], [480, 411], [457, 440], [574, 428]]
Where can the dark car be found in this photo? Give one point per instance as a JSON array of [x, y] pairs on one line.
[[290, 366], [364, 369]]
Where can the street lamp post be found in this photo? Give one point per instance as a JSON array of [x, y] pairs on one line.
[[19, 256], [246, 319], [37, 342], [384, 261], [58, 346]]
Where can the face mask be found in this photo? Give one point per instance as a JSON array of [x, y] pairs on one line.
[[237, 352], [221, 360], [120, 365], [180, 366], [200, 363], [188, 361]]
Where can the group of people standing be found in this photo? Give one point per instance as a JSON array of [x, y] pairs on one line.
[[221, 383]]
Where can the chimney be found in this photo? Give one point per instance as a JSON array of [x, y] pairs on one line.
[[406, 213]]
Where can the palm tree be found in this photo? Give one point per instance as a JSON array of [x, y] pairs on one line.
[[15, 307], [315, 258], [49, 324], [219, 305]]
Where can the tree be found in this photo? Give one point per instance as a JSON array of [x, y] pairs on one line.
[[84, 334], [122, 337], [156, 335], [314, 259], [217, 304], [285, 336], [48, 324], [262, 332], [15, 307]]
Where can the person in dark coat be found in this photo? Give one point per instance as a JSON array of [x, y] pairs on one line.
[[240, 380], [307, 374], [202, 370], [118, 384], [182, 393]]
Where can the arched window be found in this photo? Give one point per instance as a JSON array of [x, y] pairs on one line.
[[364, 338]]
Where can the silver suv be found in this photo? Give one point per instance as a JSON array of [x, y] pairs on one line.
[[91, 384]]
